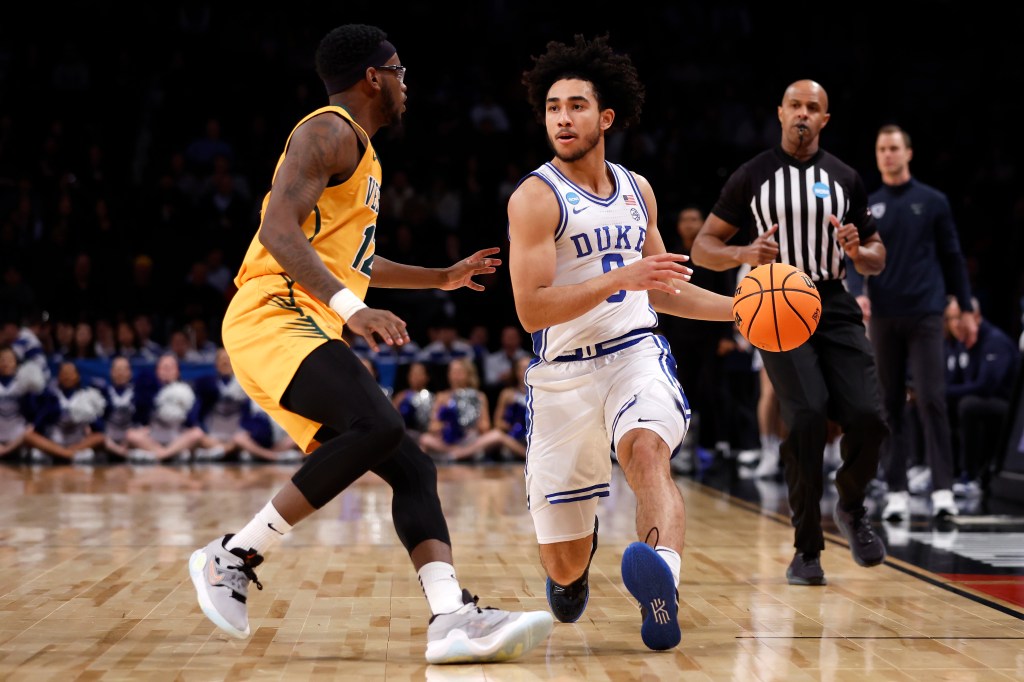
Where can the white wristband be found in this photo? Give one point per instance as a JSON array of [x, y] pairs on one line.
[[346, 304]]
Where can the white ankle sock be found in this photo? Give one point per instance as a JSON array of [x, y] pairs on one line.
[[671, 558], [440, 587], [262, 533]]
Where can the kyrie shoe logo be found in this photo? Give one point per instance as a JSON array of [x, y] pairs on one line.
[[659, 612]]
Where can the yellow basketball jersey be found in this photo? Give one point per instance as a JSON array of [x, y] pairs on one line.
[[341, 227]]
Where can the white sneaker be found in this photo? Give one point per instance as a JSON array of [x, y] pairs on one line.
[[290, 456], [943, 504], [916, 470], [209, 454], [833, 454], [85, 456], [221, 578], [37, 456], [968, 489], [749, 458], [897, 506], [897, 533], [140, 455], [682, 463], [768, 467], [473, 634], [921, 482]]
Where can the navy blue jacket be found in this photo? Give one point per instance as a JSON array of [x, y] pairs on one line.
[[988, 369], [923, 260]]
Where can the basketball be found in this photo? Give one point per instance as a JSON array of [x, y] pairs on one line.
[[776, 307]]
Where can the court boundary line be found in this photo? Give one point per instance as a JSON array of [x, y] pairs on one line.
[[900, 565]]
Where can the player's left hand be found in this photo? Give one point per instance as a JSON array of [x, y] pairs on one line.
[[848, 236], [462, 273]]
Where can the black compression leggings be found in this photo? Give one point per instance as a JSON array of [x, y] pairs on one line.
[[362, 431]]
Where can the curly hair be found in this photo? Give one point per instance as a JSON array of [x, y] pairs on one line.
[[616, 83], [345, 47]]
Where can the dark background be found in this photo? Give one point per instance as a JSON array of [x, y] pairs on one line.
[[97, 99]]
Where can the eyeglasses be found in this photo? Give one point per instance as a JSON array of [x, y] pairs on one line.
[[397, 68]]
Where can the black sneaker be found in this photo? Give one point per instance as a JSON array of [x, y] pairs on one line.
[[805, 569], [568, 602], [865, 545]]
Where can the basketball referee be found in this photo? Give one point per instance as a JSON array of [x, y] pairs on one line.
[[800, 205]]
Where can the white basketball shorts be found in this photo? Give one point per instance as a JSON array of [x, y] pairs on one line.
[[579, 411]]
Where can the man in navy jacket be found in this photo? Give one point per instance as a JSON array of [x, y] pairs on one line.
[[979, 386], [904, 306]]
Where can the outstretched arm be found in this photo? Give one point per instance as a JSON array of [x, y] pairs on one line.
[[391, 275], [687, 300]]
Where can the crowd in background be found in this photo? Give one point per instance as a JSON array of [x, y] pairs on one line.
[[132, 170]]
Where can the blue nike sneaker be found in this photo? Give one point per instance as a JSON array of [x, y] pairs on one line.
[[649, 579]]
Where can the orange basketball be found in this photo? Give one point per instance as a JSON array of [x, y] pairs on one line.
[[776, 307]]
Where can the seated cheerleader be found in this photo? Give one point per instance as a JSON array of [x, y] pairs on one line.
[[68, 419], [19, 387], [461, 414]]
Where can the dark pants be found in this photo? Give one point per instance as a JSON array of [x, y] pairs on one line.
[[914, 345], [362, 431], [980, 422], [832, 376]]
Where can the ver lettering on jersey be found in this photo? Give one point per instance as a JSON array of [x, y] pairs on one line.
[[373, 194]]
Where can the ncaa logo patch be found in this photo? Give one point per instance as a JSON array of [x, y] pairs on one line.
[[572, 198], [820, 190], [877, 211]]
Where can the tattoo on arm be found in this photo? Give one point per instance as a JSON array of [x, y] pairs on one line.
[[321, 150]]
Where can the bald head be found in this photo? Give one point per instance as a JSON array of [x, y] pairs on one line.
[[807, 90], [803, 113]]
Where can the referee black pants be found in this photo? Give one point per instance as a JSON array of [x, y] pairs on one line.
[[832, 376]]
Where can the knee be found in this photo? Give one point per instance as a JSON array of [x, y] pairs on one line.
[[967, 406], [565, 569], [810, 421], [385, 430], [641, 451], [868, 425], [422, 472]]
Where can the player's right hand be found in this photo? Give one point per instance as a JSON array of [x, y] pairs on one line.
[[762, 250], [369, 322], [653, 273]]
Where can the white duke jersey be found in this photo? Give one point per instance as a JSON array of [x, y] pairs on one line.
[[595, 235]]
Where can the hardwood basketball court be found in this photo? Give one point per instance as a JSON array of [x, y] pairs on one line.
[[94, 585]]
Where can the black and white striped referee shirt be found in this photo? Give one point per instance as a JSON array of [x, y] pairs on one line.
[[773, 187]]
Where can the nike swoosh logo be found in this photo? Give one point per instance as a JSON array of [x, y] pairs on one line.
[[641, 419], [215, 577], [271, 527], [580, 210]]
